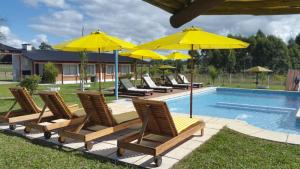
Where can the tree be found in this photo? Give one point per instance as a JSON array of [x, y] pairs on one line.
[[294, 53], [45, 46], [50, 73], [31, 83], [213, 73], [297, 40]]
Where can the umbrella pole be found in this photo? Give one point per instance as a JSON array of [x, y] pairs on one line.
[[192, 79], [142, 70], [116, 75], [135, 72], [100, 87], [256, 79]]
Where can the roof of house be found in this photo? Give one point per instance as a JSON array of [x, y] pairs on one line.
[[5, 48], [71, 57]]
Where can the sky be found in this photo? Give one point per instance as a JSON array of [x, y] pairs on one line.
[[55, 21]]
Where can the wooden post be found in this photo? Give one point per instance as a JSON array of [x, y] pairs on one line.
[[192, 11]]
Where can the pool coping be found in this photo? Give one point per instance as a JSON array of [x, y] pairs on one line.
[[240, 126]]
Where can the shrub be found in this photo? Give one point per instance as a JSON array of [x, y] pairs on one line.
[[213, 73], [31, 83], [50, 73]]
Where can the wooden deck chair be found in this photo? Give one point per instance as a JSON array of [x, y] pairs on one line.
[[160, 132], [172, 81], [183, 80], [28, 109], [151, 85], [127, 87], [63, 115], [99, 121]]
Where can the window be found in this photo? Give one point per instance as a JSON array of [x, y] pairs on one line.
[[91, 70], [70, 69], [110, 69], [125, 69]]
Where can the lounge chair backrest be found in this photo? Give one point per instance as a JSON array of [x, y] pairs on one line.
[[160, 119], [172, 79], [126, 83], [183, 78], [149, 81], [56, 105], [24, 99], [95, 106]]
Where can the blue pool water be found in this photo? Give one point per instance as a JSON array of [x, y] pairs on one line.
[[272, 110]]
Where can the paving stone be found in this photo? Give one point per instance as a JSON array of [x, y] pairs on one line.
[[191, 144], [271, 135], [102, 149], [293, 139], [147, 162], [130, 157]]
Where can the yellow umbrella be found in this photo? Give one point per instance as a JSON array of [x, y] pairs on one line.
[[97, 42], [143, 54], [94, 42], [193, 39], [178, 56]]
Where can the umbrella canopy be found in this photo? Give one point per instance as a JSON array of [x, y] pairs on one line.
[[143, 54], [97, 42], [194, 39], [94, 42], [178, 56], [258, 69]]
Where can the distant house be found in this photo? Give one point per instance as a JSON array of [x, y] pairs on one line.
[[31, 62], [6, 53]]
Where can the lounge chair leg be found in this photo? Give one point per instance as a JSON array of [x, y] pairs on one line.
[[202, 132], [47, 135], [120, 152], [61, 139], [88, 146], [27, 130], [157, 161], [12, 126]]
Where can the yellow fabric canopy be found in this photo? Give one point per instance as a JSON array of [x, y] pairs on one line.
[[178, 56], [193, 39], [258, 69], [94, 42], [143, 54]]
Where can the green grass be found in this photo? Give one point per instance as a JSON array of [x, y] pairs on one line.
[[229, 149], [17, 152]]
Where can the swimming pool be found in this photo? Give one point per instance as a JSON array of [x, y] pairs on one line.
[[272, 110]]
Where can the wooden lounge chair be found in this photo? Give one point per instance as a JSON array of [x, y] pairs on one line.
[[28, 109], [172, 81], [160, 132], [150, 84], [99, 121], [127, 87], [63, 115], [183, 80]]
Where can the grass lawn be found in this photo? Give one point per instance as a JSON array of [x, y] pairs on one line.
[[229, 149]]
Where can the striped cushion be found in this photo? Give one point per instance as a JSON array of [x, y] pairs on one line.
[[182, 123]]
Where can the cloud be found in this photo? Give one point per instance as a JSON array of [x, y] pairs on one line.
[[48, 3], [39, 39], [138, 22], [63, 23], [10, 38]]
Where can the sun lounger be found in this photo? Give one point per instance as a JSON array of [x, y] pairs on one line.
[[28, 109], [63, 115], [183, 80], [99, 121], [127, 87], [160, 131], [172, 81], [150, 84]]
